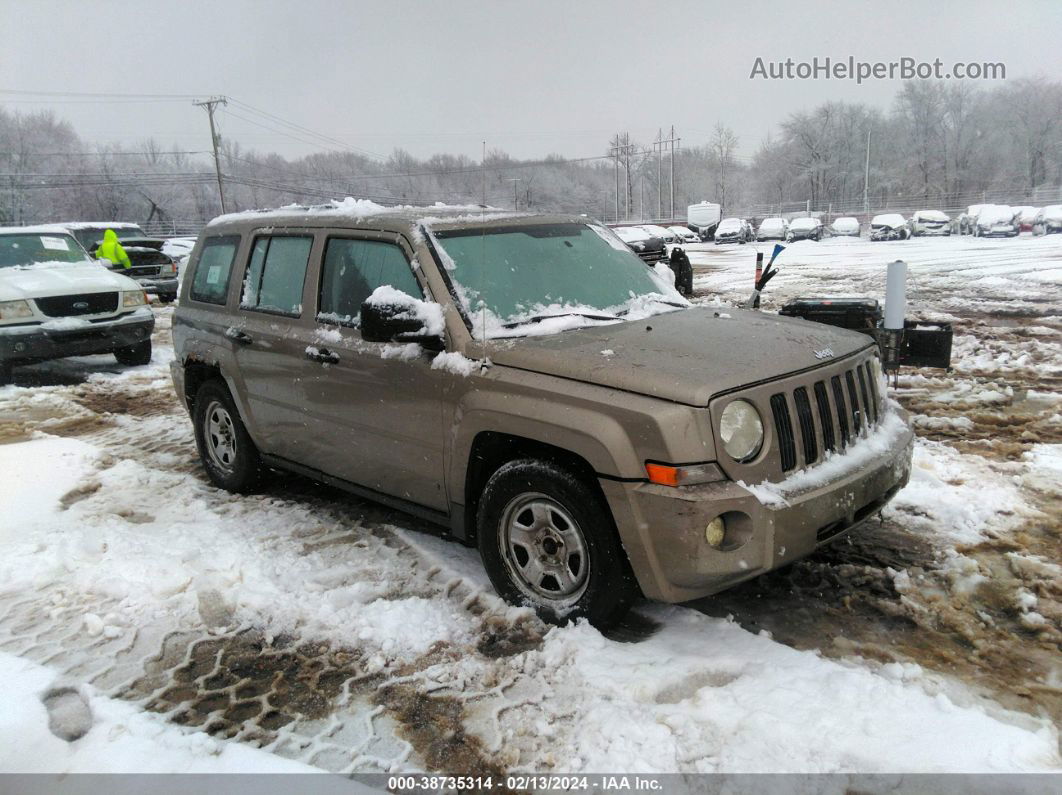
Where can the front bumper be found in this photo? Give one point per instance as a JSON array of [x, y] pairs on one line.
[[24, 344], [159, 285], [663, 528]]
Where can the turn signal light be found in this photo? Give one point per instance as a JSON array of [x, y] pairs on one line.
[[688, 475]]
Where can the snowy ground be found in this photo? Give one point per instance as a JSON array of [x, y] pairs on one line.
[[150, 622]]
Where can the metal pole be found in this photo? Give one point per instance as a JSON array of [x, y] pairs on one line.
[[210, 104], [615, 152], [483, 163], [659, 177], [866, 180], [672, 171]]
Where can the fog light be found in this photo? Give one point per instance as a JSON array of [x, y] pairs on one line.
[[715, 532], [19, 347]]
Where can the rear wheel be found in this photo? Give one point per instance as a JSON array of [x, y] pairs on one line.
[[547, 541], [134, 355], [225, 448]]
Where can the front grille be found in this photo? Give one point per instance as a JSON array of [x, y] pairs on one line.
[[829, 422], [72, 305]]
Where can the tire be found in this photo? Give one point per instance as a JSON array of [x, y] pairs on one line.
[[229, 456], [167, 299], [134, 355], [532, 506]]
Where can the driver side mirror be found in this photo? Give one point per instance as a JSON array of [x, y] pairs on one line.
[[398, 321]]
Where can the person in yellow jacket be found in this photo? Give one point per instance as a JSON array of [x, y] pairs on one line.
[[111, 249]]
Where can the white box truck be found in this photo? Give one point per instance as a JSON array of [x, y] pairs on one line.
[[703, 218]]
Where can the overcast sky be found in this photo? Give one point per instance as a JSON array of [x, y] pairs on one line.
[[530, 77]]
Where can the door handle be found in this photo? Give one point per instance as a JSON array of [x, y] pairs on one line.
[[236, 335], [322, 355]]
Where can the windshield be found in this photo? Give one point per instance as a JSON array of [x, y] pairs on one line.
[[29, 249], [803, 223], [507, 277], [631, 234]]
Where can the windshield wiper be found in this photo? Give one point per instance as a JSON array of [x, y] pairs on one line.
[[661, 301], [540, 318]]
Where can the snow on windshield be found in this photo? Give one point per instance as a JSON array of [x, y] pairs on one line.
[[804, 223], [889, 219], [536, 279]]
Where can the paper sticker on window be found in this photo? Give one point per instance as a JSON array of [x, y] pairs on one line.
[[609, 237], [213, 274], [55, 243]]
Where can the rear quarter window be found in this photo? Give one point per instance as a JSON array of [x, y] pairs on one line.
[[210, 283]]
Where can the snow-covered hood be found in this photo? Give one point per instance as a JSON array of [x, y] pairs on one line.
[[60, 278], [687, 357]]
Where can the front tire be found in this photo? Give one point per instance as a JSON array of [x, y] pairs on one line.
[[547, 540], [229, 456], [134, 355]]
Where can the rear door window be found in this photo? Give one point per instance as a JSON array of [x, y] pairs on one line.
[[276, 274], [211, 281], [353, 269]]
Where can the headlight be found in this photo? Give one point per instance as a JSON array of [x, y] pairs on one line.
[[741, 430], [15, 310], [134, 298]]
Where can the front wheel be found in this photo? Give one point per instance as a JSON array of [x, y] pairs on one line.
[[134, 355], [229, 456], [547, 541]]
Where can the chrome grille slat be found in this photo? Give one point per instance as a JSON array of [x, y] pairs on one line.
[[869, 409], [822, 401], [784, 430], [853, 404], [807, 425], [841, 409]]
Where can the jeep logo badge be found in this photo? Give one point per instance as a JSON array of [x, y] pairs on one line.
[[81, 305], [825, 353]]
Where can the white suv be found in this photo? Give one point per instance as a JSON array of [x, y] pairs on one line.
[[56, 301]]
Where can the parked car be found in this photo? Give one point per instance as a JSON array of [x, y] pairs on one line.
[[845, 227], [772, 229], [930, 222], [1048, 220], [804, 229], [968, 220], [685, 234], [889, 226], [650, 249], [56, 301], [1026, 216], [153, 269], [598, 460], [733, 230], [997, 220], [661, 232]]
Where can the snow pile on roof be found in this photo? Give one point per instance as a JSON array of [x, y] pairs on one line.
[[349, 207]]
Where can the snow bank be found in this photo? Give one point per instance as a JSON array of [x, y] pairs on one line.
[[704, 695]]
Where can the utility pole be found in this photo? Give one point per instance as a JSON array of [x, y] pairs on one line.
[[210, 105], [672, 140], [614, 151], [516, 198], [866, 180], [483, 164], [659, 146]]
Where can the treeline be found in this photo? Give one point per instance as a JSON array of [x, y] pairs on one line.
[[940, 144]]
